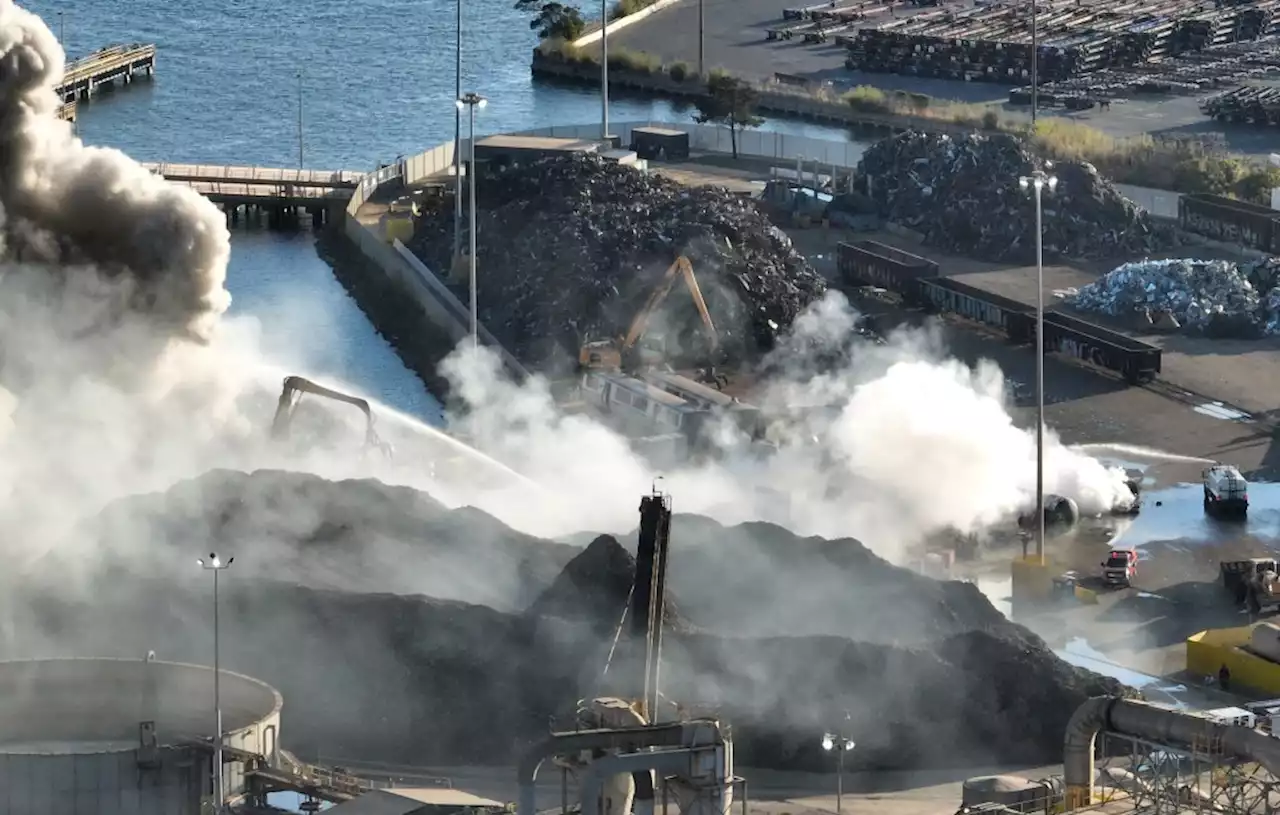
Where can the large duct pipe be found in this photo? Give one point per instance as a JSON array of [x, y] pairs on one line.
[[559, 744], [1130, 717]]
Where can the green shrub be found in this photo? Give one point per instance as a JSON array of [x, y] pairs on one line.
[[679, 71], [640, 62], [625, 8], [867, 99]]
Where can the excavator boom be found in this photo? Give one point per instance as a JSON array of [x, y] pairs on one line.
[[681, 266], [295, 385]]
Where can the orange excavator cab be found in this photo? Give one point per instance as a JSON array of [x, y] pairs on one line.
[[622, 354]]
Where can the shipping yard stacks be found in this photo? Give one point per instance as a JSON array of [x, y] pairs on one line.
[[1098, 49]]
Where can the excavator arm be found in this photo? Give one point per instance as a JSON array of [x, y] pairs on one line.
[[290, 394], [684, 268]]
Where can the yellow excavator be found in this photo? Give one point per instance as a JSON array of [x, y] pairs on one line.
[[291, 394], [618, 354]]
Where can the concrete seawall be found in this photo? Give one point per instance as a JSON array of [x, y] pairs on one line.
[[772, 103]]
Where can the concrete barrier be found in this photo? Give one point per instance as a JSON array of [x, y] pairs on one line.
[[461, 314], [1208, 651]]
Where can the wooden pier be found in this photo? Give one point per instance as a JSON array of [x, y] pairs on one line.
[[280, 197], [67, 111], [101, 69]]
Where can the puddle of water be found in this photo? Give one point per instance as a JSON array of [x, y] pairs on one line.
[[1080, 653], [999, 590], [1218, 410], [1180, 516]]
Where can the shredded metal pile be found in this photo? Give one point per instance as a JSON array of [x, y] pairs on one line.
[[783, 636], [963, 195], [570, 248], [1216, 297]]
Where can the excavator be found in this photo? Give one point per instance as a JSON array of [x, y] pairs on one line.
[[621, 354], [291, 394]]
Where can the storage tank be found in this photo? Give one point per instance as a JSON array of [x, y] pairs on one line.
[[1265, 641], [108, 736]]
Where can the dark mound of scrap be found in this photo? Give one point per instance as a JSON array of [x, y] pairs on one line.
[[573, 247], [784, 636], [595, 587], [964, 196]]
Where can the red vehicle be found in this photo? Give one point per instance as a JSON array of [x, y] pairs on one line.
[[1120, 568]]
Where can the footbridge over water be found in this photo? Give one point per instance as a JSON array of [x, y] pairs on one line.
[[101, 69], [281, 196]]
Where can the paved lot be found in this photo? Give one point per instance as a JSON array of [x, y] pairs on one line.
[[735, 40]]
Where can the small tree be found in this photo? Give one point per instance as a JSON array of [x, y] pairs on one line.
[[729, 101], [552, 20]]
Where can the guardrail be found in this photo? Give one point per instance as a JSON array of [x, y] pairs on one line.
[[109, 59], [216, 173]]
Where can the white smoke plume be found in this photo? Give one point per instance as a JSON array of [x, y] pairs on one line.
[[909, 442], [119, 377]]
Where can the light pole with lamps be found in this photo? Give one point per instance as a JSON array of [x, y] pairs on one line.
[[1037, 182], [62, 30], [472, 101], [299, 120], [215, 564], [604, 69], [841, 745], [457, 139]]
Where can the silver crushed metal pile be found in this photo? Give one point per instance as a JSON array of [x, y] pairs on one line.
[[571, 247], [963, 195], [1216, 297]]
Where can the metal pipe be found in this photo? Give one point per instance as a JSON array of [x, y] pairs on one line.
[[217, 704], [604, 69], [673, 762], [558, 744], [457, 139], [1130, 717]]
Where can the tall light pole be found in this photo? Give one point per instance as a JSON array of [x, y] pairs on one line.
[[472, 101], [702, 42], [1037, 182], [604, 69], [215, 564], [62, 30], [1035, 62], [457, 140], [300, 165], [841, 745]]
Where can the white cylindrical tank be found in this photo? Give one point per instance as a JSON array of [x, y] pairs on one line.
[[1265, 641], [122, 736]]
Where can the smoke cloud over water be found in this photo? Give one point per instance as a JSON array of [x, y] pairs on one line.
[[120, 374]]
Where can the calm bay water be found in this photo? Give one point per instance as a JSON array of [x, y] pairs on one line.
[[377, 81]]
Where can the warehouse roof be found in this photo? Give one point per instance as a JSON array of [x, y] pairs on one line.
[[412, 801]]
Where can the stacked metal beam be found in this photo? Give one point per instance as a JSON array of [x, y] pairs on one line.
[[1250, 105], [1190, 73], [993, 43]]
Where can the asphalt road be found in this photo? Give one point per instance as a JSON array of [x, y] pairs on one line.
[[735, 40]]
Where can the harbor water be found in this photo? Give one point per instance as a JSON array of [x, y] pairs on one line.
[[374, 80]]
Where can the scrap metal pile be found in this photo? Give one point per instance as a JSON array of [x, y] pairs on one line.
[[933, 674], [1216, 297], [571, 247], [963, 195], [992, 42]]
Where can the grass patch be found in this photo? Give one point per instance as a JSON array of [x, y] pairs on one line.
[[1185, 167], [625, 8]]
